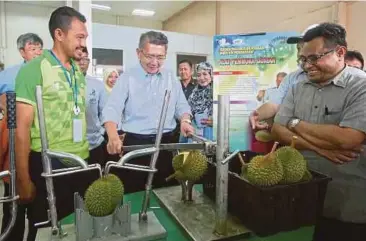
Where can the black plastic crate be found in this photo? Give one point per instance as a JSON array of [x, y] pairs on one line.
[[269, 210]]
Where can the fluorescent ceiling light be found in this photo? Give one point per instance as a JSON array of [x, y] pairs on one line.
[[142, 12], [101, 7]]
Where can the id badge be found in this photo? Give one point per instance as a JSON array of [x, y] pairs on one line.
[[77, 128]]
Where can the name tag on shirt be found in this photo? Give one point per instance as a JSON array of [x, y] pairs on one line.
[[77, 128]]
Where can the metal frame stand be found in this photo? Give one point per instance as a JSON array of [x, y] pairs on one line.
[[203, 220], [11, 123], [48, 173]]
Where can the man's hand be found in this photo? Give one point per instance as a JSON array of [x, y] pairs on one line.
[[26, 191], [114, 145], [207, 122], [339, 156], [186, 129], [260, 95], [256, 123]]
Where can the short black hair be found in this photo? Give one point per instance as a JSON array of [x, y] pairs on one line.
[[62, 17], [354, 54], [333, 34], [153, 37], [186, 61], [282, 74]]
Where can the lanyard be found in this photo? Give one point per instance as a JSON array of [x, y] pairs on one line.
[[75, 89]]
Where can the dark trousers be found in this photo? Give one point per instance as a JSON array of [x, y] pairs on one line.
[[99, 154], [17, 232], [328, 229], [135, 181], [64, 189]]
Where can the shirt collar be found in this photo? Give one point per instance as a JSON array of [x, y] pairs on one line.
[[337, 80], [146, 74]]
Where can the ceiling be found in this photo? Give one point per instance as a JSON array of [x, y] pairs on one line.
[[163, 9]]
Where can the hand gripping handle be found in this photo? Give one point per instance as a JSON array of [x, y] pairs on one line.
[[11, 113]]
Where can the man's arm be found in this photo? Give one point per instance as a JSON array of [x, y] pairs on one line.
[[267, 111], [182, 108], [102, 101], [284, 115], [24, 120], [330, 136], [285, 136], [28, 77], [350, 133]]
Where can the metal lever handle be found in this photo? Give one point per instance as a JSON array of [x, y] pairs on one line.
[[231, 156], [11, 122], [68, 156], [10, 105], [199, 138], [133, 154]]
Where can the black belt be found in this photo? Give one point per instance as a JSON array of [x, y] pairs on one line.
[[147, 137]]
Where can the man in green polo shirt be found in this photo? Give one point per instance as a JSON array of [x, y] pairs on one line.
[[63, 89]]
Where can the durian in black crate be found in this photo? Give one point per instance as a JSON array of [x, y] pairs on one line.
[[271, 193]]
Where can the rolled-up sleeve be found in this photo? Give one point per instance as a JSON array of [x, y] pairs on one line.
[[181, 106], [116, 101], [279, 95], [287, 108]]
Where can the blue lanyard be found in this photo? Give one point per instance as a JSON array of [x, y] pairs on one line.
[[75, 89]]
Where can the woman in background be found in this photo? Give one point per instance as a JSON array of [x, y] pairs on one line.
[[110, 77], [201, 101]]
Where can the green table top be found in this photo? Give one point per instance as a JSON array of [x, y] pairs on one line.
[[175, 233]]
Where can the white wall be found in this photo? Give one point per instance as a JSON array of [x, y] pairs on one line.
[[23, 17], [127, 38]]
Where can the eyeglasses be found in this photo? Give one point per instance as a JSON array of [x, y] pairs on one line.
[[152, 57], [312, 59], [85, 60]]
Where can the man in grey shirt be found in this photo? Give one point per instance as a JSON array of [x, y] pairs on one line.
[[96, 98], [139, 96], [327, 112]]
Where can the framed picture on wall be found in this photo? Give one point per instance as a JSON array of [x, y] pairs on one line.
[[195, 59], [106, 58]]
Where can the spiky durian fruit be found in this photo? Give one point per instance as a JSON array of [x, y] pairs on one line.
[[264, 170], [293, 162], [189, 167], [104, 195]]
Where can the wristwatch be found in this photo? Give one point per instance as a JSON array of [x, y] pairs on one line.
[[187, 121], [293, 122]]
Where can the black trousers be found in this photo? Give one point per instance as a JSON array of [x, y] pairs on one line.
[[17, 232], [64, 189], [99, 154], [135, 181], [328, 229]]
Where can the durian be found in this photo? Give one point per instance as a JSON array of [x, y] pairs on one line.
[[265, 170], [307, 176], [104, 195], [263, 136], [189, 166], [293, 162]]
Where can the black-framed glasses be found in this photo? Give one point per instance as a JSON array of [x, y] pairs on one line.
[[152, 57], [312, 59]]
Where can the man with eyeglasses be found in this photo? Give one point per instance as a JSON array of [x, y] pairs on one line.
[[354, 59], [268, 110], [327, 112], [139, 96], [96, 98]]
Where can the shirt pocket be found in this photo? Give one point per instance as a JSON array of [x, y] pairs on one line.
[[332, 115]]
